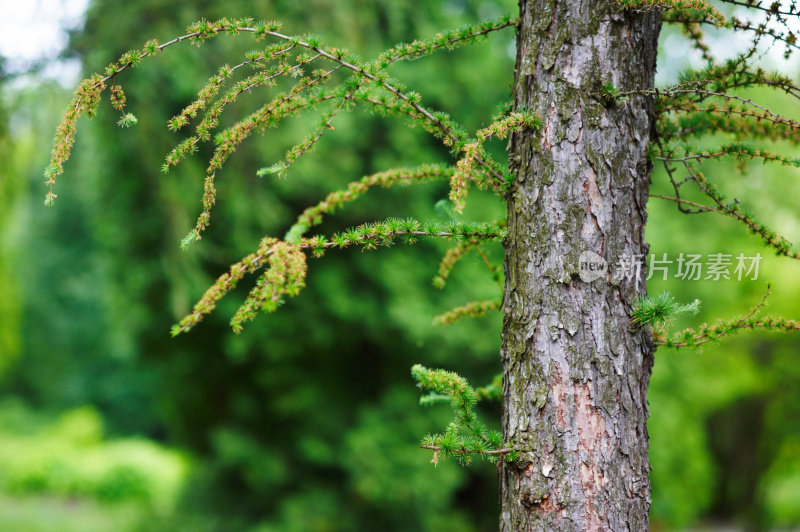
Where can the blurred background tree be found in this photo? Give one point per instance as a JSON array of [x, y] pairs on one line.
[[309, 420]]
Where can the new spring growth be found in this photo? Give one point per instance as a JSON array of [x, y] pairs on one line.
[[709, 334], [127, 120], [465, 437], [660, 309]]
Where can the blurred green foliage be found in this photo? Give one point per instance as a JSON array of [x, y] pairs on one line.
[[309, 420], [724, 420], [68, 456]]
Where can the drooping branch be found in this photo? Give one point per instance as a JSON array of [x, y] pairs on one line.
[[206, 94], [367, 236], [87, 96]]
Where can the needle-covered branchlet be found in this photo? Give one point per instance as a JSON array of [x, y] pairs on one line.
[[290, 266], [465, 437], [709, 334], [474, 309]]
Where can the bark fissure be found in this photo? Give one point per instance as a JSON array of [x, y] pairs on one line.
[[575, 369]]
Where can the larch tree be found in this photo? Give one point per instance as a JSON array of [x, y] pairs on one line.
[[575, 371], [585, 126]]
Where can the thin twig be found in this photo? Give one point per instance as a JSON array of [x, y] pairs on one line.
[[687, 202]]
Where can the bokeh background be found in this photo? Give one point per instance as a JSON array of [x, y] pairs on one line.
[[309, 420]]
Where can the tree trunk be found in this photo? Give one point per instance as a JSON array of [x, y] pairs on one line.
[[576, 369]]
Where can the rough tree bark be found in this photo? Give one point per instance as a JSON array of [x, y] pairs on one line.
[[576, 370]]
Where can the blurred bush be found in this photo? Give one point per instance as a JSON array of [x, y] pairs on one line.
[[69, 456]]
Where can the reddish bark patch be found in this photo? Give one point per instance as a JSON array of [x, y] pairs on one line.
[[591, 431], [577, 416], [561, 389], [547, 130], [544, 506]]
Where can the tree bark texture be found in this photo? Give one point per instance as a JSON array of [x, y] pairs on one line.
[[576, 369]]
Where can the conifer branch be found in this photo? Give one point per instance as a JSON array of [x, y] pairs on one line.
[[211, 118], [465, 436], [474, 153], [86, 98], [213, 85], [439, 123], [774, 7], [736, 150], [282, 106], [788, 38], [475, 309], [694, 33], [712, 333], [464, 451], [447, 40], [388, 178], [700, 7], [662, 105], [659, 310], [734, 73], [457, 252], [698, 206], [733, 209], [326, 123], [367, 236], [746, 125]]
